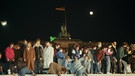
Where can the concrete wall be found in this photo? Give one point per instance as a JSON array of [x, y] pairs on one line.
[[74, 75]]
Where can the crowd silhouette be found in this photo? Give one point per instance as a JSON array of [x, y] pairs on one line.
[[37, 57]]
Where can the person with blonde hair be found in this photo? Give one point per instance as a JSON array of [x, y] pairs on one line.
[[29, 57], [39, 55]]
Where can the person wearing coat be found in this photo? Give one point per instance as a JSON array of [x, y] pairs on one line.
[[48, 53], [60, 56], [29, 56], [98, 57], [39, 56], [120, 55]]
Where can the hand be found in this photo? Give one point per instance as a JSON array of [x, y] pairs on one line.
[[88, 71], [40, 58], [99, 62], [7, 59], [120, 60], [15, 66], [24, 59], [13, 60]]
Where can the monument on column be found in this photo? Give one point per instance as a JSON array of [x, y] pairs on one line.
[[64, 34], [64, 38]]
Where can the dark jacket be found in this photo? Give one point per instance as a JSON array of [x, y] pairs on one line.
[[120, 52]]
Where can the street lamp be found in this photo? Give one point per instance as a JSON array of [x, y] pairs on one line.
[[91, 12], [3, 23]]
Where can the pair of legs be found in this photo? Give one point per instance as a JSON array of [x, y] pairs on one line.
[[81, 72], [122, 63], [24, 71]]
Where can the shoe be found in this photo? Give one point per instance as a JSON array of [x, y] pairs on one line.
[[108, 73], [33, 74], [100, 73]]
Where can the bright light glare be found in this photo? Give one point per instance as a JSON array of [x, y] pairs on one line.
[[91, 12], [4, 23]]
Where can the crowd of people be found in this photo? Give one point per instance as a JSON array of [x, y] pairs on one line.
[[48, 58]]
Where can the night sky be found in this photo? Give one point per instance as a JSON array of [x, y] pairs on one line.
[[31, 19]]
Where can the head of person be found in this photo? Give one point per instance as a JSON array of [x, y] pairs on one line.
[[99, 44], [104, 48], [16, 46], [67, 58], [11, 45], [29, 44], [38, 41], [125, 44], [47, 43], [25, 42], [57, 46], [114, 43], [60, 49], [77, 47], [86, 50], [63, 70], [86, 58]]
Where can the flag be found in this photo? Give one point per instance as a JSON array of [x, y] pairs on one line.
[[60, 8]]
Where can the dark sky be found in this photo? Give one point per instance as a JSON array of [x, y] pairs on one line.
[[31, 19]]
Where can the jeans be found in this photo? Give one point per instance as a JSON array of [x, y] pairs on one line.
[[24, 71], [91, 69], [95, 69], [108, 63], [125, 66], [38, 66], [60, 61], [120, 66], [81, 72], [113, 65], [99, 65]]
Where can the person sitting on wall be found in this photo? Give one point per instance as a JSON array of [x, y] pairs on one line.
[[22, 68], [77, 68]]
